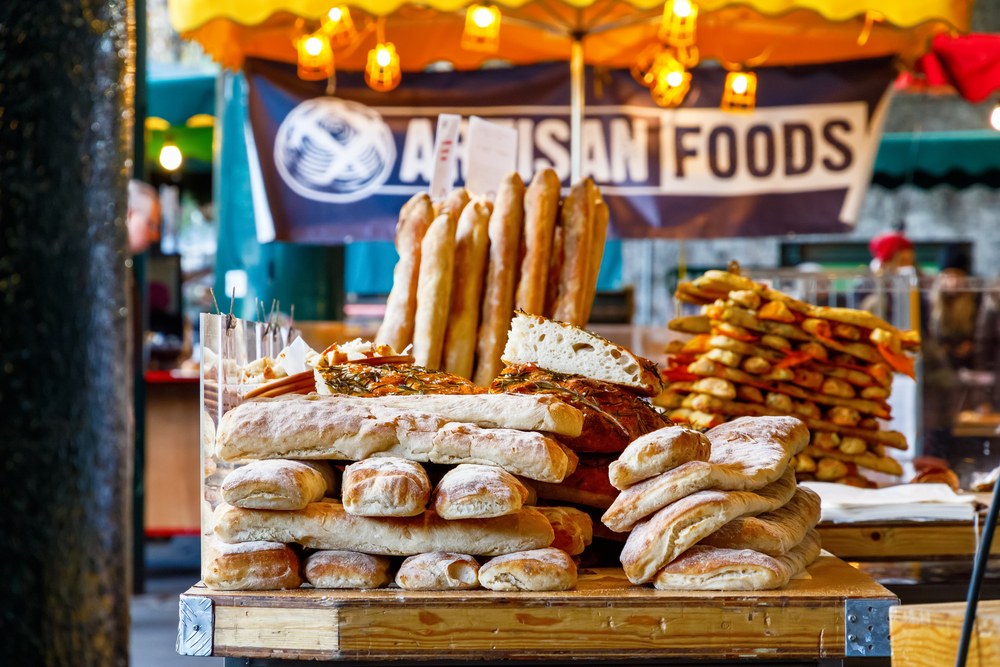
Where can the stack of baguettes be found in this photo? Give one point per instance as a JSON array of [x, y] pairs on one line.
[[465, 265], [757, 351], [283, 519], [715, 511]]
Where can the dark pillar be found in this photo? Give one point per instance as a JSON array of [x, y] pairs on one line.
[[65, 377]]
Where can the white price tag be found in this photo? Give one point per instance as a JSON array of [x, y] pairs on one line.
[[445, 152], [492, 155]]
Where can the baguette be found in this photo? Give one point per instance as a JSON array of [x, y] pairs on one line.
[[601, 215], [501, 277], [454, 203], [330, 526], [578, 223], [556, 263], [346, 569], [437, 266], [401, 308], [541, 206], [471, 251]]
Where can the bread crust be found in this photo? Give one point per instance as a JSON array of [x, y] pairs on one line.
[[251, 566], [437, 267], [658, 452], [438, 571], [415, 217], [541, 207], [600, 222], [346, 569], [471, 253], [574, 530], [386, 487], [278, 485], [536, 570], [556, 262], [477, 492], [501, 278], [578, 223], [772, 533], [330, 526]]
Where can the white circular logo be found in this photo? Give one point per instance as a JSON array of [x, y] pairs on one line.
[[334, 150]]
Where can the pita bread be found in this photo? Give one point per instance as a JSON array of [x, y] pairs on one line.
[[746, 454], [658, 452], [704, 568], [679, 526], [772, 533]]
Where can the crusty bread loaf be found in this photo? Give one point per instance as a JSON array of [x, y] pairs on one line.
[[578, 225], [477, 492], [437, 267], [387, 486], [677, 527], [574, 530], [329, 427], [346, 569], [328, 525], [279, 485], [471, 252], [658, 452], [438, 571], [454, 203], [772, 533], [562, 348], [251, 566], [705, 568], [600, 222], [501, 278], [401, 307], [537, 570], [541, 206]]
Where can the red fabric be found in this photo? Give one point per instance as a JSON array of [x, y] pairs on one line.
[[933, 70], [972, 63], [885, 246]]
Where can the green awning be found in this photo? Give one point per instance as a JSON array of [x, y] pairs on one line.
[[935, 154]]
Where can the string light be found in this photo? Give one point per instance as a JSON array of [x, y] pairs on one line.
[[740, 94], [170, 156], [680, 20], [644, 63], [482, 29], [995, 118], [670, 80], [338, 26], [315, 57], [383, 71]]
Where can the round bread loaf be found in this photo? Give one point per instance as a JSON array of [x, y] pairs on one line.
[[537, 570], [279, 484], [470, 491], [346, 569], [438, 571], [251, 566], [387, 486]]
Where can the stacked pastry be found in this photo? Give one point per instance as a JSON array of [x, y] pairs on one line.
[[715, 511], [286, 498], [759, 352], [466, 264]]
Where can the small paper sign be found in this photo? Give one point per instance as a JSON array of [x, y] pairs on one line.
[[492, 155], [444, 155]]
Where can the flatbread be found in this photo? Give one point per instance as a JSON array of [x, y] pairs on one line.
[[658, 452], [772, 533]]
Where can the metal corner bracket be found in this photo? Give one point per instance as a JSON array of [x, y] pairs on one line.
[[866, 628], [194, 631]]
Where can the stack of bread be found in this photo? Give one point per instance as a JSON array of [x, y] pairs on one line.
[[759, 352], [466, 264], [286, 516], [715, 511]]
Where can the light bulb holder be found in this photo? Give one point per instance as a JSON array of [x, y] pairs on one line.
[[483, 38], [644, 63], [387, 77], [341, 32], [315, 66], [741, 103], [677, 30], [668, 80]]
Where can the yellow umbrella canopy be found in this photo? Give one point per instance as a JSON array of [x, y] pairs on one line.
[[751, 33]]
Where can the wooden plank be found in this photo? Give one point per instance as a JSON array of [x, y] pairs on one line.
[[173, 431], [927, 635], [912, 540], [605, 616]]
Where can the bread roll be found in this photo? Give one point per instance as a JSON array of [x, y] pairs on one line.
[[330, 526], [251, 566], [401, 307], [346, 569], [386, 487], [658, 452], [501, 278], [438, 571], [541, 206], [477, 492], [471, 251], [601, 216], [437, 265], [538, 570], [574, 283], [279, 485], [574, 530]]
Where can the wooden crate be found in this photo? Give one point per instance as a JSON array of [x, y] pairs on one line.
[[902, 540], [926, 635], [605, 617]]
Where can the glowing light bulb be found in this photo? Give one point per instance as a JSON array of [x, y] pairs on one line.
[[170, 157], [995, 118], [682, 8], [314, 46], [483, 17], [383, 57], [335, 14], [740, 85], [675, 79]]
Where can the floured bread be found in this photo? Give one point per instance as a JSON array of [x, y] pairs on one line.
[[704, 568], [346, 569], [328, 525], [677, 527], [574, 529], [251, 566], [386, 486], [537, 570], [340, 428], [438, 571], [772, 533], [564, 348], [279, 485], [658, 452], [477, 492]]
